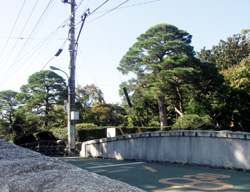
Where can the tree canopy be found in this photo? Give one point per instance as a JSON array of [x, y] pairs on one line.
[[44, 90], [228, 53], [165, 65]]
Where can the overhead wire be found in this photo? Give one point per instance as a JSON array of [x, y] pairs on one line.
[[88, 66], [106, 36], [46, 39], [39, 22], [13, 28], [19, 37], [99, 7], [63, 45], [79, 4], [95, 11], [110, 11], [35, 50], [133, 5], [25, 46]]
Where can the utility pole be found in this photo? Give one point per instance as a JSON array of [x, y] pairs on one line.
[[72, 114], [71, 87]]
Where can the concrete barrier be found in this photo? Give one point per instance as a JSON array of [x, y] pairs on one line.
[[223, 149]]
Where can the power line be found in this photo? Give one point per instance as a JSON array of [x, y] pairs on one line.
[[55, 54], [110, 11], [33, 51], [25, 44], [88, 66], [13, 28], [21, 33], [21, 38], [79, 4], [133, 5], [99, 7]]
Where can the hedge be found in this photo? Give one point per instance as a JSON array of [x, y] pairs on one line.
[[84, 132], [90, 133]]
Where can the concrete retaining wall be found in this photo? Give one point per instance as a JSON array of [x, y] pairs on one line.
[[213, 148]]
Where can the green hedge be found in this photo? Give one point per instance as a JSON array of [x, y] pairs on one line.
[[60, 133], [90, 133], [86, 126]]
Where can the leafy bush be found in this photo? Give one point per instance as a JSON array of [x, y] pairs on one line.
[[24, 139], [90, 133], [86, 125], [193, 122], [60, 133], [45, 135]]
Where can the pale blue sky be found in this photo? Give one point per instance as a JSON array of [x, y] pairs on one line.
[[26, 45]]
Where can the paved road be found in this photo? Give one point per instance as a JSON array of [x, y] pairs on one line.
[[158, 177]]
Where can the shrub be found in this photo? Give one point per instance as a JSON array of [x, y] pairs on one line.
[[24, 139], [45, 135], [193, 122], [91, 132], [60, 133], [85, 125]]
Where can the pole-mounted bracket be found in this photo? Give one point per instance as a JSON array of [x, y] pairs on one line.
[[85, 14]]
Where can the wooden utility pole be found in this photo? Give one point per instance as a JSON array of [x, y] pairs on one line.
[[71, 87]]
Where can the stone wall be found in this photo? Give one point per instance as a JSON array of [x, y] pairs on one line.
[[211, 148], [51, 148]]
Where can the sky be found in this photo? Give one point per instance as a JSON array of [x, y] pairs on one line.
[[32, 31]]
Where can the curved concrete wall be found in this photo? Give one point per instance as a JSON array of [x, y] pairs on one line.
[[213, 148]]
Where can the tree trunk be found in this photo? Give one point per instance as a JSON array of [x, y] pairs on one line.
[[176, 109], [162, 112], [180, 101]]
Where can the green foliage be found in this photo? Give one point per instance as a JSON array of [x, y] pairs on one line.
[[162, 60], [228, 53], [5, 130], [60, 133], [29, 138], [193, 122], [104, 115], [85, 125], [231, 110], [24, 139], [24, 125], [144, 111], [44, 90], [89, 95], [45, 135], [8, 105], [167, 73], [90, 133]]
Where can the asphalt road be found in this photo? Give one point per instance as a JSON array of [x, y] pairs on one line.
[[158, 177]]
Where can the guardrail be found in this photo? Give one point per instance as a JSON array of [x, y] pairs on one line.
[[224, 149]]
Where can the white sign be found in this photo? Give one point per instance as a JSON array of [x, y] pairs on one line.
[[111, 132], [74, 115]]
